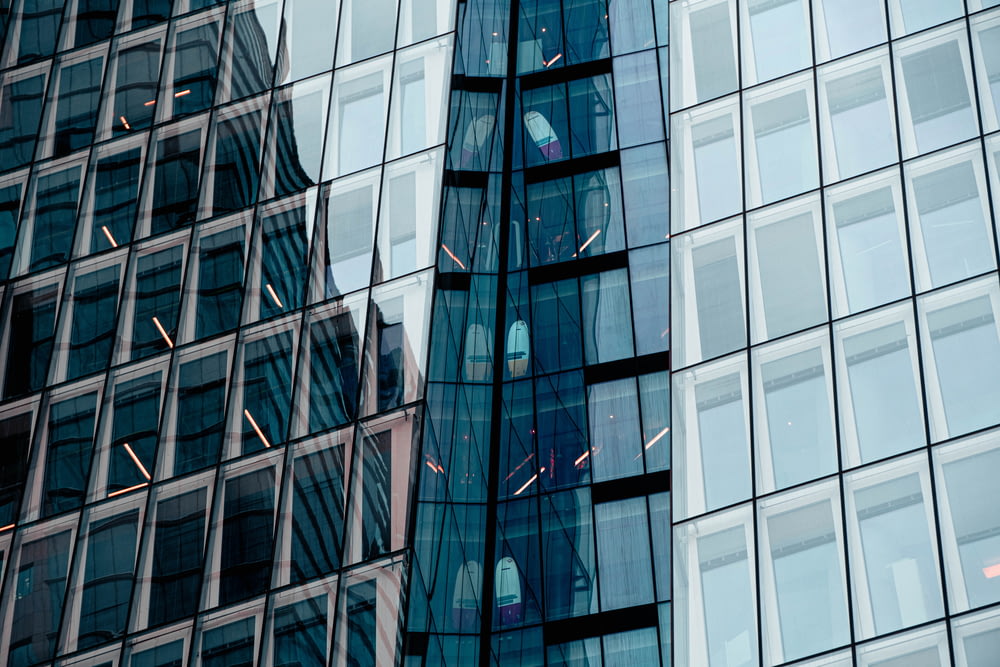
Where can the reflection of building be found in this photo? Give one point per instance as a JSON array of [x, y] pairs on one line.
[[337, 333]]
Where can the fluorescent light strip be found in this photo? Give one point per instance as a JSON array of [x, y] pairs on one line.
[[107, 233], [124, 491], [274, 295], [452, 255], [260, 434], [163, 332], [138, 463]]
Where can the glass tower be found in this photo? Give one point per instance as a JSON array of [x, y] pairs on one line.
[[835, 338]]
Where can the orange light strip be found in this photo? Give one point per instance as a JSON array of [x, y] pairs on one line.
[[589, 241], [107, 233], [520, 465], [992, 572], [554, 59], [452, 255], [149, 103], [529, 482], [124, 122], [7, 527], [431, 466], [581, 458], [163, 332], [183, 93], [256, 429], [124, 491], [274, 295], [135, 459], [656, 438]]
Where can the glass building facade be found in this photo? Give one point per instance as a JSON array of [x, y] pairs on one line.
[[835, 340], [384, 332]]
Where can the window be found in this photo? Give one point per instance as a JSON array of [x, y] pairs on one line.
[[859, 129], [50, 239], [704, 40], [880, 407], [29, 341], [157, 295], [179, 531], [894, 557], [777, 41], [786, 269], [794, 411], [711, 437], [845, 26], [623, 547], [115, 188], [804, 605], [76, 108], [175, 179], [300, 633], [108, 576], [317, 513], [137, 73], [136, 418], [200, 411], [67, 455], [20, 109], [15, 437], [220, 281], [247, 536], [237, 149], [960, 338], [267, 388], [40, 583], [868, 259], [194, 56], [94, 311]]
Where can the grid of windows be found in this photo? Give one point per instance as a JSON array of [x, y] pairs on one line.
[[216, 271], [542, 502], [834, 332]]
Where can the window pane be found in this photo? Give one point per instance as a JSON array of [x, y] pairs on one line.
[[108, 576], [177, 557], [201, 404], [247, 539]]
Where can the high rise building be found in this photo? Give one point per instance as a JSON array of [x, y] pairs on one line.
[[336, 333]]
